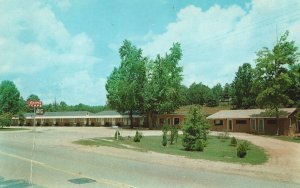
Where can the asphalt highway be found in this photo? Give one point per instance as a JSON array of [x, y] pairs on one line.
[[38, 159]]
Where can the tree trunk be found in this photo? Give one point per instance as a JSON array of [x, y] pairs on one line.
[[150, 120], [131, 119], [277, 120]]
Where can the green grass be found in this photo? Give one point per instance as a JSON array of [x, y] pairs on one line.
[[11, 129], [287, 138], [216, 150]]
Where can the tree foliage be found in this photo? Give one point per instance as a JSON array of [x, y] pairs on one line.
[[33, 97], [201, 94], [293, 92], [242, 95], [272, 78], [198, 93], [147, 86], [227, 92], [9, 97], [5, 119], [163, 90], [125, 84]]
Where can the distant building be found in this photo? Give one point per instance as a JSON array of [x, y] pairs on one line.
[[255, 121], [80, 118]]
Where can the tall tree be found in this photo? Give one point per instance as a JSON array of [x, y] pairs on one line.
[[217, 91], [63, 106], [293, 91], [242, 94], [162, 90], [9, 97], [212, 98], [198, 93], [227, 93], [33, 97], [125, 84], [23, 106], [184, 100], [271, 75]]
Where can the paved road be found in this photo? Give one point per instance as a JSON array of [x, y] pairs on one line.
[[57, 163]]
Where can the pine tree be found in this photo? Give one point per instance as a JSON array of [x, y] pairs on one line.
[[195, 127]]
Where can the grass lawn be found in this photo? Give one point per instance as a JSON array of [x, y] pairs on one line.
[[287, 138], [11, 129], [216, 150]]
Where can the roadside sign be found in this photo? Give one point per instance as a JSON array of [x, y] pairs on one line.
[[31, 103], [39, 111]]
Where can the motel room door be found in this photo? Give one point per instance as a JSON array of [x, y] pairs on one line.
[[229, 125], [253, 124], [261, 125]]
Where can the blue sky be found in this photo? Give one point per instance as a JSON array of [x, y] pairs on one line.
[[66, 49]]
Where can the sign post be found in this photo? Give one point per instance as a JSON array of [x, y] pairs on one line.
[[33, 104]]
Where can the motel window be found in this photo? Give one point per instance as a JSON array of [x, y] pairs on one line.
[[241, 122], [176, 121], [271, 121], [218, 122]]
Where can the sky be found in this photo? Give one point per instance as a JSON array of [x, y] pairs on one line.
[[66, 49]]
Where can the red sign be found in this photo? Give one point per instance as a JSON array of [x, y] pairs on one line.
[[34, 103]]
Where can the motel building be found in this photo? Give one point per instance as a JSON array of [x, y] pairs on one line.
[[79, 118], [256, 121]]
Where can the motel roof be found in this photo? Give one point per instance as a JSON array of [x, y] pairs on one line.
[[54, 114], [250, 113], [108, 113], [77, 114]]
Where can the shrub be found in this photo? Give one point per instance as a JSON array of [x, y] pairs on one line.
[[117, 134], [188, 142], [241, 150], [199, 145], [165, 140], [195, 127], [138, 136], [165, 128], [233, 141], [246, 144], [5, 119], [174, 135]]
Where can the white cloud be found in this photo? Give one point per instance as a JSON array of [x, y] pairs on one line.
[[63, 4], [37, 47], [216, 41], [84, 87]]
